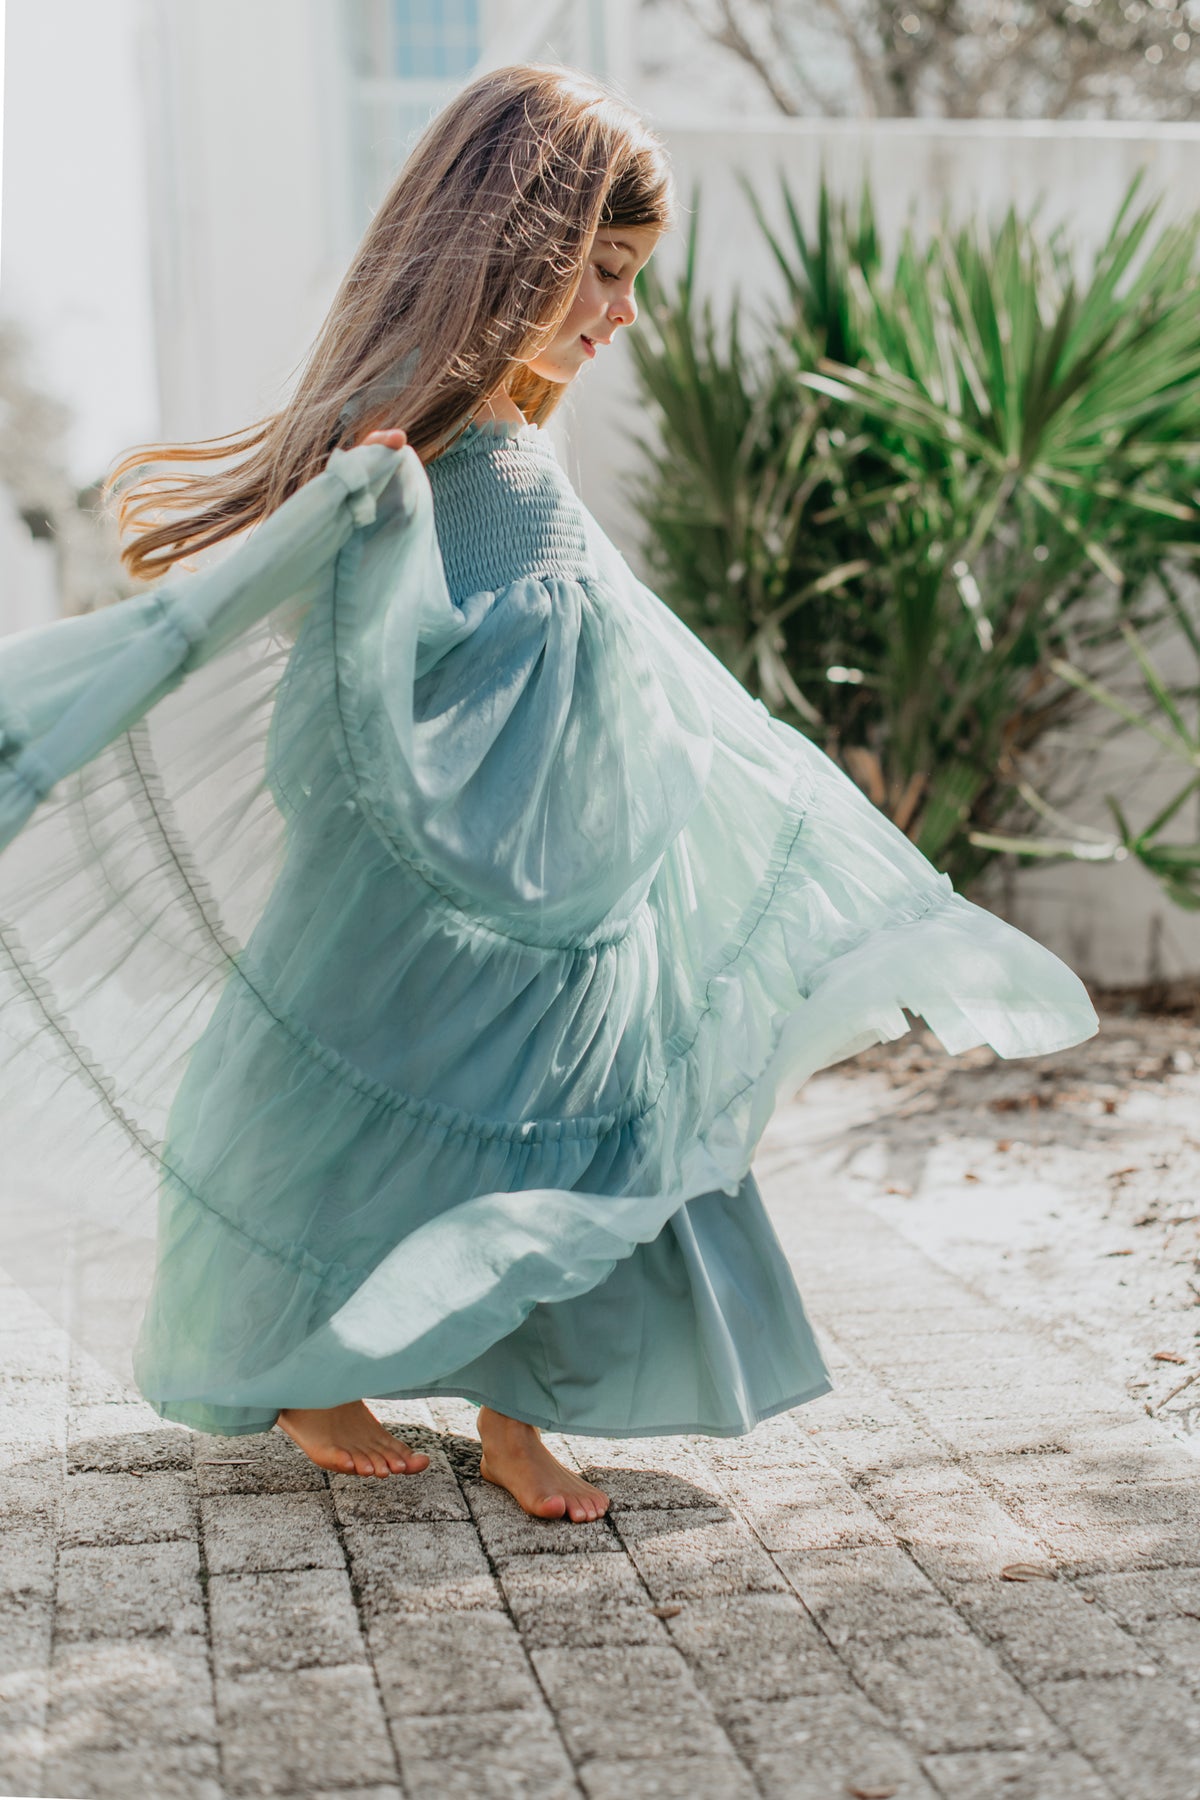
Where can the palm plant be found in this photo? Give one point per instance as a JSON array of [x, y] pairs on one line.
[[940, 510]]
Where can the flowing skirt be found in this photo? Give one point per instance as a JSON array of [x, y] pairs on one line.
[[394, 990]]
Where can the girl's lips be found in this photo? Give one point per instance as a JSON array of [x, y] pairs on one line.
[[587, 344]]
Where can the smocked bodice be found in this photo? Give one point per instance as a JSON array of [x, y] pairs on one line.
[[503, 508]]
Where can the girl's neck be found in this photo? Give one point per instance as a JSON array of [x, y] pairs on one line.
[[498, 405]]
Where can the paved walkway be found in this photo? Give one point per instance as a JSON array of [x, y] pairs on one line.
[[971, 1572]]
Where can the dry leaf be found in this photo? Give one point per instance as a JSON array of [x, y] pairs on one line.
[[1168, 1356], [967, 1176], [884, 1791], [895, 1188], [1027, 1571], [1130, 1169], [670, 1611], [1118, 1253], [1004, 1143], [1185, 1383], [1110, 1106]]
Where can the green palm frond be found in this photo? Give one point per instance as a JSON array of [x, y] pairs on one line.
[[942, 508]]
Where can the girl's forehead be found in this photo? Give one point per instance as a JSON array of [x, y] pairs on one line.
[[635, 240]]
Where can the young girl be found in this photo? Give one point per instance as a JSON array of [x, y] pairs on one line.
[[427, 915]]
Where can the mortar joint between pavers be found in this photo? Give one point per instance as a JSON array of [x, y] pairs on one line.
[[202, 1576], [997, 1652], [989, 1488], [356, 1601], [511, 1616], [666, 1636], [48, 1693]]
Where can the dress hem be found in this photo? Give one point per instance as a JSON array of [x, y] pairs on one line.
[[539, 1421]]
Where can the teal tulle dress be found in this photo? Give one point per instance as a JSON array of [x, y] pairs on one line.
[[416, 930]]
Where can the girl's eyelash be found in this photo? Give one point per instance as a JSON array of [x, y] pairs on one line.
[[608, 274]]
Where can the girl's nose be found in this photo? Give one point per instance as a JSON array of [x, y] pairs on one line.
[[623, 310]]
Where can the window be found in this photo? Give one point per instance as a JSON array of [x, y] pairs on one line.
[[434, 39], [415, 40], [407, 57]]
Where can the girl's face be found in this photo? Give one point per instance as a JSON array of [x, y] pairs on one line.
[[604, 301]]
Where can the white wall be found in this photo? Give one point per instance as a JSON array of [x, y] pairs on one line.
[[247, 112], [74, 238], [74, 272]]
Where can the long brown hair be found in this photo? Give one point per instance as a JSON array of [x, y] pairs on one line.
[[467, 269]]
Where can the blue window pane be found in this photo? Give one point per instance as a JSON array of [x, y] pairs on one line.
[[435, 39]]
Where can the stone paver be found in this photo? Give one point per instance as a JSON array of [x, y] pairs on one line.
[[578, 1601], [128, 1509], [1014, 1775], [107, 1693], [824, 1745], [306, 1729], [1141, 1731], [511, 1754], [289, 1619], [421, 1664], [113, 1437], [972, 1572], [641, 1696], [254, 1465], [689, 1778], [178, 1772], [245, 1533], [433, 1569], [693, 1555], [129, 1591]]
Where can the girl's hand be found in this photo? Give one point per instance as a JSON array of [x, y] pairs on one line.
[[395, 440]]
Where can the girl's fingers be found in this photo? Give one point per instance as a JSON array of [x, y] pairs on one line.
[[395, 440]]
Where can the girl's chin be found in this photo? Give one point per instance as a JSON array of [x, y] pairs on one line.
[[560, 371]]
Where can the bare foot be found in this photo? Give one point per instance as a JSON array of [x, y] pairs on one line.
[[349, 1440], [515, 1458]]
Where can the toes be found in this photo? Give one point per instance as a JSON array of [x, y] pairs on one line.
[[587, 1508], [399, 1458], [551, 1506]]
